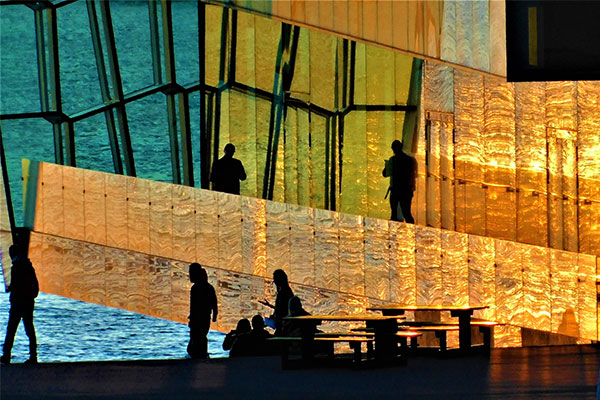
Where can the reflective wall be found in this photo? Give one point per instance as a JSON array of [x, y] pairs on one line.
[[126, 242]]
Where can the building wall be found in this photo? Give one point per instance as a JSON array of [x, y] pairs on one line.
[[126, 242]]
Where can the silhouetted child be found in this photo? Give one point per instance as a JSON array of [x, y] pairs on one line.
[[284, 294], [23, 290], [203, 302], [227, 172], [243, 326]]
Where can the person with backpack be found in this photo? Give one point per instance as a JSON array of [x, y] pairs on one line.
[[23, 289]]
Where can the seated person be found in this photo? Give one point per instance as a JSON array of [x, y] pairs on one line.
[[253, 343], [243, 326], [303, 329]]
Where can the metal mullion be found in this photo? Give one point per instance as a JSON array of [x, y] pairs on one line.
[[70, 144], [204, 139], [352, 72], [58, 143], [233, 46], [155, 42], [327, 163], [54, 60], [172, 118], [167, 20], [104, 87], [41, 59], [117, 87], [186, 140]]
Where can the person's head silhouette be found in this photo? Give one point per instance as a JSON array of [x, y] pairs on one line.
[[15, 251], [258, 322], [243, 326], [229, 149], [397, 147], [280, 278], [197, 273]]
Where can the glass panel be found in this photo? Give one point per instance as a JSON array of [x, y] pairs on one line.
[[94, 275], [180, 291], [438, 87], [509, 283], [267, 36], [38, 131], [428, 265], [254, 237], [77, 59], [184, 233], [230, 232], [116, 219], [73, 270], [352, 260], [138, 296], [327, 269], [94, 207], [242, 125], [207, 228], [564, 293], [377, 259], [73, 189], [245, 54], [278, 237], [52, 257], [149, 132], [116, 277], [52, 182], [402, 264], [161, 219], [536, 288], [354, 168], [18, 62], [482, 280], [159, 287], [455, 271], [92, 145], [302, 244], [380, 135], [185, 40], [130, 20], [138, 215], [194, 102]]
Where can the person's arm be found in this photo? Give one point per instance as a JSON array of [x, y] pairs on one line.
[[242, 172], [215, 310]]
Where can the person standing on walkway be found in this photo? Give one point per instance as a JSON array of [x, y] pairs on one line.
[[23, 289], [203, 303], [227, 172], [402, 171]]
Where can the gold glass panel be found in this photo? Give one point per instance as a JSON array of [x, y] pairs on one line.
[[159, 287], [537, 297], [266, 37], [74, 270], [184, 235], [52, 255], [180, 291], [302, 244], [73, 203], [207, 227], [377, 259], [116, 219], [52, 197], [448, 46], [36, 256], [278, 237], [561, 105], [161, 218], [564, 293], [438, 88], [354, 196], [327, 268], [94, 272], [428, 264], [242, 124], [509, 283], [137, 273], [482, 280], [94, 206], [507, 336], [464, 32], [351, 254], [403, 279], [230, 232], [116, 265], [254, 236], [138, 215], [586, 287], [455, 271]]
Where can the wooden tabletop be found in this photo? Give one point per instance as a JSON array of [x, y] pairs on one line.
[[399, 307], [351, 317]]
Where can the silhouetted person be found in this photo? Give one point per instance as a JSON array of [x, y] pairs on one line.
[[23, 290], [243, 326], [402, 170], [203, 302], [284, 293], [298, 328], [253, 343], [227, 172]]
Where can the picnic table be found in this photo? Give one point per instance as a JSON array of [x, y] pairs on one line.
[[384, 330], [462, 312]]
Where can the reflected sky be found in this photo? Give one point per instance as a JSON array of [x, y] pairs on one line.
[[71, 330]]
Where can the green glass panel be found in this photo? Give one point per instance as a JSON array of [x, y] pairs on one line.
[[18, 61], [149, 132], [185, 40], [92, 145], [77, 59]]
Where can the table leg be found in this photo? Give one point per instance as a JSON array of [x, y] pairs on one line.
[[464, 328]]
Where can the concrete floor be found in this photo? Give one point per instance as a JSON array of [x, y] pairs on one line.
[[565, 372]]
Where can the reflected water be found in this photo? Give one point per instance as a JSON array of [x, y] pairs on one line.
[[70, 330]]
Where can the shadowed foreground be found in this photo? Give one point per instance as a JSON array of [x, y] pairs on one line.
[[547, 372]]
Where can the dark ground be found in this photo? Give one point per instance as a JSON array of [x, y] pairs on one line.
[[566, 372]]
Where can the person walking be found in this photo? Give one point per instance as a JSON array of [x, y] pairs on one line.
[[402, 171], [23, 289], [203, 303]]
